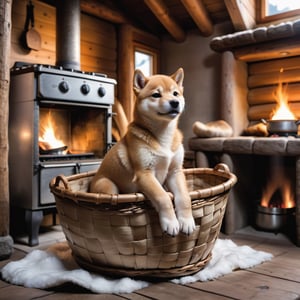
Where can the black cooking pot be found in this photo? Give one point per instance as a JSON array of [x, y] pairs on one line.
[[282, 126]]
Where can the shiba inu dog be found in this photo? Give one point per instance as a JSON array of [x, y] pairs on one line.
[[148, 159]]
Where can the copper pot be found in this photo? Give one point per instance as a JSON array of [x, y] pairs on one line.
[[282, 126]]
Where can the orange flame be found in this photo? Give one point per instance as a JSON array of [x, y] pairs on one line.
[[282, 110], [47, 138], [279, 182], [285, 188]]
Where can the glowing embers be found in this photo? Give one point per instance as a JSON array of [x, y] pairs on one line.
[[278, 193]]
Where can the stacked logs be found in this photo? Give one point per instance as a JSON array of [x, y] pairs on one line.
[[263, 80]]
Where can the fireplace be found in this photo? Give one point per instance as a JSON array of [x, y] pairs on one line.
[[252, 68], [276, 207], [48, 101]]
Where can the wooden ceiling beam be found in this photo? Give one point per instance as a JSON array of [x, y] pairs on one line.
[[242, 13], [161, 12], [199, 14], [96, 9]]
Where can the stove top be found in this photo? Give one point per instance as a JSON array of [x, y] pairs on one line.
[[55, 83], [23, 67]]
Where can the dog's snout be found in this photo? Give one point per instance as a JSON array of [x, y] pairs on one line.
[[174, 103]]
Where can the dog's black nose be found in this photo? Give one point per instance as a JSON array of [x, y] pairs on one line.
[[174, 103]]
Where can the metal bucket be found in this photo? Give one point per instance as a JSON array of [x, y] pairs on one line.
[[273, 218]]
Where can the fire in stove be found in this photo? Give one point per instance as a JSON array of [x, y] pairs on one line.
[[278, 201], [49, 142], [71, 131], [278, 193]]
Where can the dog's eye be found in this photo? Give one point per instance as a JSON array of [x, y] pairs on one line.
[[175, 93], [156, 95]]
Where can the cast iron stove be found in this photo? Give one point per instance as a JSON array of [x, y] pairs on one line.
[[81, 104]]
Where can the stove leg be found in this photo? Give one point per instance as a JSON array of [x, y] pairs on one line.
[[33, 221]]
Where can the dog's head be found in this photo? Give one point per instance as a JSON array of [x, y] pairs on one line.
[[159, 96]]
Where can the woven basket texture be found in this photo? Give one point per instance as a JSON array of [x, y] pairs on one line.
[[120, 235]]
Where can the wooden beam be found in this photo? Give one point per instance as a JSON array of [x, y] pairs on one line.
[[160, 10], [199, 14], [269, 50], [233, 92], [272, 78], [128, 38], [266, 94], [95, 8], [285, 63], [126, 69], [242, 13], [264, 111], [5, 40]]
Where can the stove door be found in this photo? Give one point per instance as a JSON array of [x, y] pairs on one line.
[[49, 170]]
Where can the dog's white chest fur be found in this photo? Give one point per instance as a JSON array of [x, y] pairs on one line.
[[160, 162]]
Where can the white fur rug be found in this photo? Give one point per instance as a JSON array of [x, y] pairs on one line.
[[46, 269]]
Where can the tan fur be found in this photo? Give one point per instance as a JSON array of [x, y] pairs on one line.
[[259, 129], [219, 128], [120, 120], [149, 157]]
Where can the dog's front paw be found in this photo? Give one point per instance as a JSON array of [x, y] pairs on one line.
[[187, 225], [170, 225]]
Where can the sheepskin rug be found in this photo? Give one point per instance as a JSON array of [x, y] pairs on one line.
[[55, 266]]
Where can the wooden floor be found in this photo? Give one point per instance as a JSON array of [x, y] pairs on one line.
[[276, 279]]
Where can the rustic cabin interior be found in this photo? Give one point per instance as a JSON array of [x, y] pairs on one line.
[[67, 94]]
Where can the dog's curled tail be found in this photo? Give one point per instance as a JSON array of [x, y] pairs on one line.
[[120, 120]]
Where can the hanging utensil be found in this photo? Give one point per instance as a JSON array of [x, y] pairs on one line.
[[30, 38]]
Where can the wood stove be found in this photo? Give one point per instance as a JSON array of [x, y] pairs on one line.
[[80, 106]]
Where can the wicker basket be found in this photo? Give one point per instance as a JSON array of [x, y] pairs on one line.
[[120, 235]]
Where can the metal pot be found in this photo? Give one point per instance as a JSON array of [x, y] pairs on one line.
[[282, 126], [273, 218]]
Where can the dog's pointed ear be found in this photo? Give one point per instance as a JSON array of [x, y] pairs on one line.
[[178, 77], [139, 80]]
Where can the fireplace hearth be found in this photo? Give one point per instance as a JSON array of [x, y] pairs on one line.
[[252, 68], [276, 208]]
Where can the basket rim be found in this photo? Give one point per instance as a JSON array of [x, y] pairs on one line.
[[60, 187]]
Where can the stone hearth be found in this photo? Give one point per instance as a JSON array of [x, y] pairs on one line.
[[247, 157]]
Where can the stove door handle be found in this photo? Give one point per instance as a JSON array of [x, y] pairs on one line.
[[60, 165]]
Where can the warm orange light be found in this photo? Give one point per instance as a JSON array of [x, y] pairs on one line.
[[284, 186], [47, 138], [282, 110]]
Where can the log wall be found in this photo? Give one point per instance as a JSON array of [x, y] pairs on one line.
[[98, 39], [263, 80]]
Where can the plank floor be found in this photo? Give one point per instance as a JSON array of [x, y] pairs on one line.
[[276, 279]]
